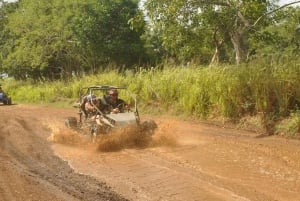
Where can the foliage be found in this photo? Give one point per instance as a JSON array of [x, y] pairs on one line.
[[61, 39], [187, 25], [5, 9], [290, 126], [39, 45], [57, 39], [176, 26], [280, 36], [102, 31]]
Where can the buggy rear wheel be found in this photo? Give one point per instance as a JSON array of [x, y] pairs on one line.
[[71, 122]]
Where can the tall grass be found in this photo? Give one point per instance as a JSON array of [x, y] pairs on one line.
[[230, 92]]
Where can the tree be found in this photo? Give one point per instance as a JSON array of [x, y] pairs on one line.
[[103, 32], [5, 9], [223, 20], [56, 39], [176, 24], [40, 38], [281, 36]]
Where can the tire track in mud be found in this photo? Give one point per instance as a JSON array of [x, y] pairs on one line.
[[29, 168], [148, 175], [206, 164], [202, 163], [181, 181]]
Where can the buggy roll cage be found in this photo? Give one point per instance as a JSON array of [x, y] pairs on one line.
[[105, 88]]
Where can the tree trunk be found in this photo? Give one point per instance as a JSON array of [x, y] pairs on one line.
[[216, 57], [218, 43], [239, 40]]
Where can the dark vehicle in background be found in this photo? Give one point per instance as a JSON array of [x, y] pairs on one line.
[[4, 97]]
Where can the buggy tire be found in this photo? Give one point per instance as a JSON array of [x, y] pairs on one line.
[[71, 122], [148, 127]]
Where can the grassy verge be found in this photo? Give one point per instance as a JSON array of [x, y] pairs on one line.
[[266, 96]]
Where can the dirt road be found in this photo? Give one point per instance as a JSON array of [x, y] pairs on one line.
[[188, 161]]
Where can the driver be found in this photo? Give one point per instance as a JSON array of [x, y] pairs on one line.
[[111, 103]]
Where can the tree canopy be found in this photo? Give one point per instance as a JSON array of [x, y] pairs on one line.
[[55, 39], [220, 24], [51, 39]]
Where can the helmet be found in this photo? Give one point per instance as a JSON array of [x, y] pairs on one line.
[[91, 97]]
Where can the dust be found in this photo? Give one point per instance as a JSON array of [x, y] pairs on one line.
[[165, 135], [161, 139], [131, 137], [128, 137], [63, 135], [137, 137]]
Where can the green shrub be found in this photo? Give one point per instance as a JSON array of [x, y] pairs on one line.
[[290, 126]]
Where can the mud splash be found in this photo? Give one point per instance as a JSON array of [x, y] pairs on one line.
[[139, 138], [128, 137], [165, 135], [63, 135], [131, 137]]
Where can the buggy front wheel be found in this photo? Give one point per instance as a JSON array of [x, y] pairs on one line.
[[71, 122]]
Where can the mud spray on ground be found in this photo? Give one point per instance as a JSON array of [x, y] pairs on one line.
[[131, 137]]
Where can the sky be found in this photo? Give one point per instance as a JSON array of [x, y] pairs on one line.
[[281, 2]]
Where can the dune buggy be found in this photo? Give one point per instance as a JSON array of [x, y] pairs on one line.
[[102, 122]]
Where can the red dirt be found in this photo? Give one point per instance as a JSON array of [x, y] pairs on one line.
[[42, 160]]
